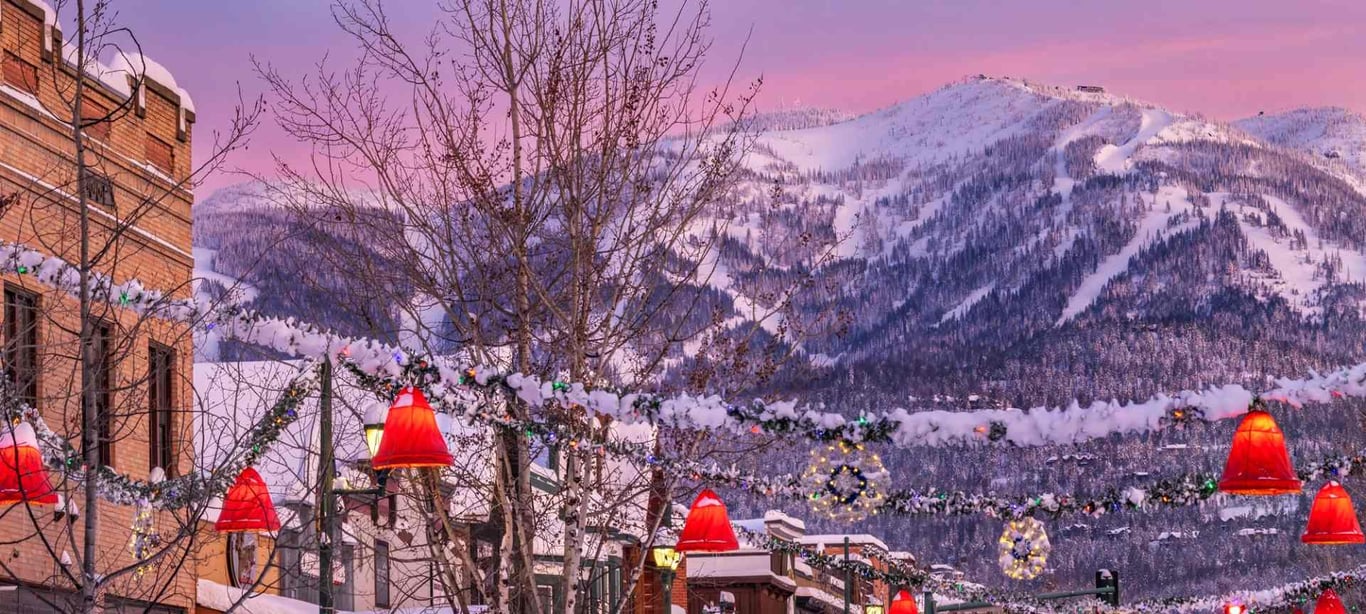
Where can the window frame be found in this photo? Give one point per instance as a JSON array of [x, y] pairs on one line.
[[30, 72], [149, 140], [161, 369], [26, 390], [102, 337], [382, 572]]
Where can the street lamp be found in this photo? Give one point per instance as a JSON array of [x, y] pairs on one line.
[[374, 427], [666, 560]]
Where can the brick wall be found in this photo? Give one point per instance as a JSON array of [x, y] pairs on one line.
[[147, 231]]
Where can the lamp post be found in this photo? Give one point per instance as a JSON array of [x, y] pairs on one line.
[[666, 560], [326, 521]]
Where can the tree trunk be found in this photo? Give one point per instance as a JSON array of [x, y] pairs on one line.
[[90, 445]]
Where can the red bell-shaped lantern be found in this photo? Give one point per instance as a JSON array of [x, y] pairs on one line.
[[707, 528], [411, 437], [1329, 603], [1258, 463], [22, 475], [1333, 519], [247, 506], [903, 603]]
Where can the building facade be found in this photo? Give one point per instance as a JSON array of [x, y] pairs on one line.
[[138, 154], [754, 580]]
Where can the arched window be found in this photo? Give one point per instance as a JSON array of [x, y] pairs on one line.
[[242, 559]]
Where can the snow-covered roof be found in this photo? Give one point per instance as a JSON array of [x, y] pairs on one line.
[[137, 64], [220, 597], [811, 592], [231, 397], [779, 516], [116, 80], [832, 540]]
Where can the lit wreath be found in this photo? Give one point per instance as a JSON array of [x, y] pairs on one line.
[[1024, 549], [845, 482]]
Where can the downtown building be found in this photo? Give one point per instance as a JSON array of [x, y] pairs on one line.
[[138, 161]]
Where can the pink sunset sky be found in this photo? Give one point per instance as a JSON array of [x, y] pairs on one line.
[[1223, 58]]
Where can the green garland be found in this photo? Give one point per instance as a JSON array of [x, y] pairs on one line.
[[176, 493]]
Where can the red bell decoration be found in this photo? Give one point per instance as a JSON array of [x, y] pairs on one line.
[[1333, 519], [1329, 603], [1258, 463], [411, 437], [903, 603], [22, 475], [707, 528], [247, 506]]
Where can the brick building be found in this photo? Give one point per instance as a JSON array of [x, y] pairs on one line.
[[138, 162]]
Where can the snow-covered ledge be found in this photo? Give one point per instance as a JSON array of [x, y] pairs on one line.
[[136, 65]]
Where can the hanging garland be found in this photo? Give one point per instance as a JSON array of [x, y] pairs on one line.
[[182, 492], [1171, 492], [1298, 594], [1024, 549], [144, 539], [1036, 426]]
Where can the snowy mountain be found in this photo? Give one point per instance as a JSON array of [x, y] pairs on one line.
[[996, 232], [994, 224], [1331, 132], [998, 241]]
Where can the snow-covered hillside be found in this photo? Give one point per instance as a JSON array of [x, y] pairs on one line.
[[999, 213], [965, 201], [1333, 133]]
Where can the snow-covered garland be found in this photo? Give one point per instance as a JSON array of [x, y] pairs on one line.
[[898, 574], [383, 364], [175, 493], [1172, 492], [63, 276], [899, 427], [1295, 594]]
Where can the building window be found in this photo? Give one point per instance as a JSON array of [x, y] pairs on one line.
[[97, 188], [21, 343], [160, 379], [242, 559], [381, 574], [160, 154], [21, 74], [95, 118], [101, 350], [292, 583]]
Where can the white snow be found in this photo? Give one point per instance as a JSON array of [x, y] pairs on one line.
[[965, 306], [240, 291], [1115, 159], [116, 80], [138, 65], [1154, 226], [977, 112], [1298, 277], [1330, 134]]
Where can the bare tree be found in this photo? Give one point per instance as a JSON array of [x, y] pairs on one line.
[[543, 187]]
